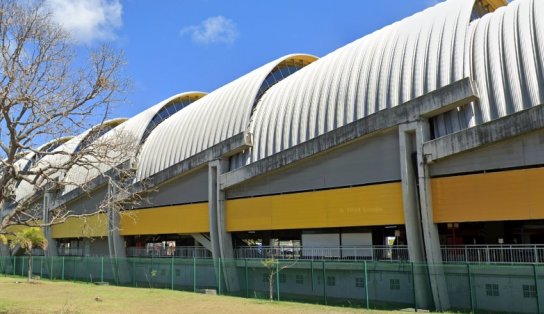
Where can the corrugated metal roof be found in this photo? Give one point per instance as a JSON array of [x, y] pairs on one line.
[[502, 51], [208, 121], [505, 57], [384, 69], [132, 130], [25, 189]]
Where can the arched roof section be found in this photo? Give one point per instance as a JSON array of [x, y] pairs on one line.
[[25, 189], [398, 63], [30, 158], [133, 131], [208, 121], [505, 57]]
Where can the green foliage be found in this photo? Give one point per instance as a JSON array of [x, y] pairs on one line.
[[29, 238], [3, 239], [269, 262]]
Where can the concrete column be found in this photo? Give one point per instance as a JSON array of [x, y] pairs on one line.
[[221, 240], [116, 243], [429, 228], [412, 215], [48, 204]]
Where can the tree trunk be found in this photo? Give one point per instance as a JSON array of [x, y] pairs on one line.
[[271, 287]]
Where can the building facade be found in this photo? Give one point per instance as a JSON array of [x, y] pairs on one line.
[[426, 135]]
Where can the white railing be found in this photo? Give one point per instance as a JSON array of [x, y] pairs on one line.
[[450, 254], [178, 251], [493, 253], [370, 253]]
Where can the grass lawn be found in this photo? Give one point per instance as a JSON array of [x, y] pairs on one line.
[[44, 296]]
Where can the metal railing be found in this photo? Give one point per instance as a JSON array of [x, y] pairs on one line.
[[178, 251], [369, 253], [493, 253], [450, 254], [70, 252]]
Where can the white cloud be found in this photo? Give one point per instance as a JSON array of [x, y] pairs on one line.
[[88, 20], [217, 29]]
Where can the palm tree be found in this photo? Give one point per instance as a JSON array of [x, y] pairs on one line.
[[27, 239]]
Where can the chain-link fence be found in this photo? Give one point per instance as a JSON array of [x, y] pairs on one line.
[[377, 285]]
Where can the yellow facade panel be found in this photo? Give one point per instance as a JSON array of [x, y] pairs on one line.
[[379, 204], [190, 218], [496, 196], [16, 228], [82, 227]]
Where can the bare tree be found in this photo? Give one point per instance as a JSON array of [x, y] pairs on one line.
[[46, 95], [272, 265]]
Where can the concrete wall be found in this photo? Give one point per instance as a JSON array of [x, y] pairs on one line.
[[190, 188], [97, 246], [372, 160], [86, 204], [522, 151]]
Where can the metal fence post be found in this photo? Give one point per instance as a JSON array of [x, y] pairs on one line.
[[219, 275], [536, 289], [102, 269], [194, 274], [470, 289], [278, 280], [41, 267], [366, 287], [247, 279], [51, 271], [172, 274], [74, 269], [62, 274], [22, 266], [312, 274], [133, 271], [324, 283], [414, 286], [14, 264]]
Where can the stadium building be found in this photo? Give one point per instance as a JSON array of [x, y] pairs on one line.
[[423, 141]]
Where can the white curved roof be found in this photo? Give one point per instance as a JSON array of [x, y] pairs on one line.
[[132, 130], [405, 60], [25, 189], [206, 122], [384, 69], [505, 57]]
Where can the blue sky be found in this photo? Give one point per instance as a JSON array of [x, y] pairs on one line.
[[175, 46]]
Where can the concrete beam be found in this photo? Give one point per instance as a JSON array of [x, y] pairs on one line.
[[204, 240], [494, 131], [433, 103]]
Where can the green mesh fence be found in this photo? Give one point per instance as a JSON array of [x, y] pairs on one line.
[[477, 288]]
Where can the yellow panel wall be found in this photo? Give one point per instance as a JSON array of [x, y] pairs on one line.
[[505, 195], [372, 205], [82, 227], [16, 228], [190, 218]]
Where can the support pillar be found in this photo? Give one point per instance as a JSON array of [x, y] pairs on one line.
[[422, 232], [221, 240], [203, 239], [48, 204], [116, 243], [412, 215]]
